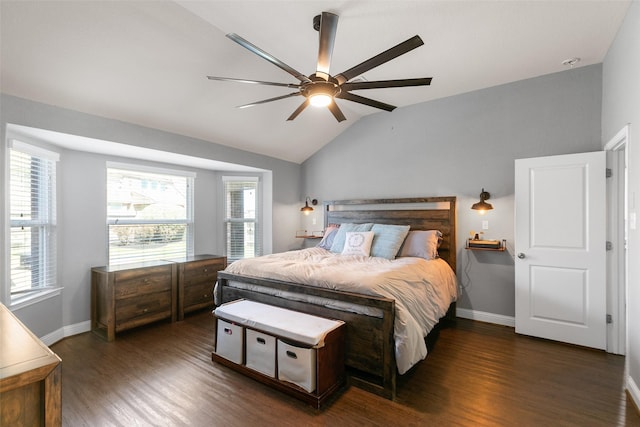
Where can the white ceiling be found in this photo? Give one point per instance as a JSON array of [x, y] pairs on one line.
[[145, 62]]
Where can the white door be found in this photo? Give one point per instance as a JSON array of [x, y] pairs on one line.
[[560, 217]]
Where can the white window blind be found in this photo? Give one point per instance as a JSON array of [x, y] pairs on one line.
[[149, 214], [32, 217], [242, 226]]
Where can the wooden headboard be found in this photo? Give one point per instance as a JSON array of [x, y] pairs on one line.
[[421, 213]]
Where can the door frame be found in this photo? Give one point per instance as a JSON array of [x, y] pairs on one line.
[[617, 229]]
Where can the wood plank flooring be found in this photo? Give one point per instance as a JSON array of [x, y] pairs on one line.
[[476, 374]]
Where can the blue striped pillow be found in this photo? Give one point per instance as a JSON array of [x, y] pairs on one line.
[[388, 239]]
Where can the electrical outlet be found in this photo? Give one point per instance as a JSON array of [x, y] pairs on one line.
[[313, 221], [485, 225]]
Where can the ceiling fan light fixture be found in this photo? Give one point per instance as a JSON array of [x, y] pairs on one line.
[[320, 100], [319, 92]]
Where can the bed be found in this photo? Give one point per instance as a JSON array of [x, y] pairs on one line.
[[371, 320]]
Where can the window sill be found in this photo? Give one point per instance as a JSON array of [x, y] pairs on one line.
[[34, 298]]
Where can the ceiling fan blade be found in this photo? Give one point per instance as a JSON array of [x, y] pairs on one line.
[[336, 111], [366, 101], [257, 82], [380, 59], [264, 101], [275, 61], [387, 83], [299, 110], [328, 28]]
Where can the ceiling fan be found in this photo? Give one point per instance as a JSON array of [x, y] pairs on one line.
[[321, 88]]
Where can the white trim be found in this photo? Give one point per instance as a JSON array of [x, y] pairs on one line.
[[37, 296], [77, 328], [53, 337], [66, 331], [617, 267], [483, 316], [232, 178], [33, 150], [633, 390], [134, 167], [5, 263], [621, 137]]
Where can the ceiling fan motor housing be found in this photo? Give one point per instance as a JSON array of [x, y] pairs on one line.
[[318, 86]]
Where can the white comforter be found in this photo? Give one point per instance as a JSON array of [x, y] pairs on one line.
[[423, 290]]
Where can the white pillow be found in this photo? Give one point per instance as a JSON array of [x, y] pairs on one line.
[[358, 243]]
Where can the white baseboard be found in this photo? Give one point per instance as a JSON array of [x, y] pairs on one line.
[[483, 316], [53, 337], [634, 391], [66, 331]]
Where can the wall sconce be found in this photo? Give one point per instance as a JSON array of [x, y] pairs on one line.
[[482, 206], [306, 209]]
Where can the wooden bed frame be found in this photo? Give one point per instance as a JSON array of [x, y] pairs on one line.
[[370, 347]]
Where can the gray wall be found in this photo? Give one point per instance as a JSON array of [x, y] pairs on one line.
[[621, 106], [81, 198], [458, 145]]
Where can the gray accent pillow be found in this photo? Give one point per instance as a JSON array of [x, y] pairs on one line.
[[422, 244], [327, 238]]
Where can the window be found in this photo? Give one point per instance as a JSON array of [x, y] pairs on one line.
[[32, 218], [241, 217], [149, 213]]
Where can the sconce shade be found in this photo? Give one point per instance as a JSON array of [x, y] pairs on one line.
[[306, 209], [482, 205]]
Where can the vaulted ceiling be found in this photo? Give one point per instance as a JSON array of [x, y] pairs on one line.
[[146, 62]]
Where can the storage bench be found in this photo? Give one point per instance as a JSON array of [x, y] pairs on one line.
[[297, 353]]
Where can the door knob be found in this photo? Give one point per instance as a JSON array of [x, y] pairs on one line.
[[521, 255]]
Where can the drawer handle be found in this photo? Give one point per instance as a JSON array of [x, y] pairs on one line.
[[205, 270], [228, 331], [145, 310], [291, 354], [205, 296], [261, 340]]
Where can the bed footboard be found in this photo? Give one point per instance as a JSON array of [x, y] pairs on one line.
[[369, 348]]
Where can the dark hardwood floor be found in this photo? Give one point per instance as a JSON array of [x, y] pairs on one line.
[[476, 374]]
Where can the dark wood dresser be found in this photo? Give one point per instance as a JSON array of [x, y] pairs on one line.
[[30, 377], [197, 276], [131, 295]]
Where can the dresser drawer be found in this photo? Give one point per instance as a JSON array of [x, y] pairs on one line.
[[127, 285], [143, 309], [198, 294], [202, 271]]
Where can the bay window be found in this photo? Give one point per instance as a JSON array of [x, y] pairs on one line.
[[242, 217], [32, 218], [149, 213]]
